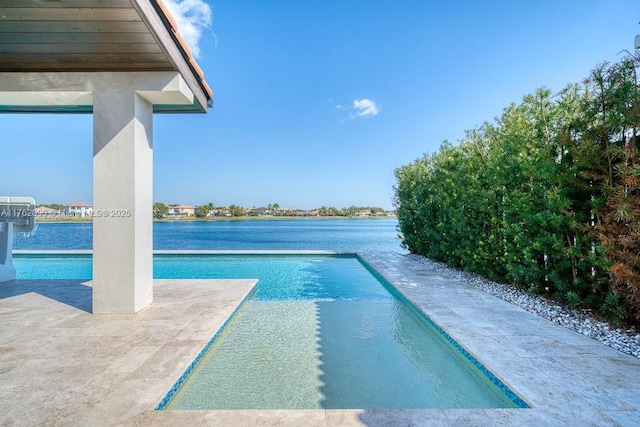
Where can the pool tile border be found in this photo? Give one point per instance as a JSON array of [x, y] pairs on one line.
[[557, 396], [508, 392], [483, 370], [173, 390]]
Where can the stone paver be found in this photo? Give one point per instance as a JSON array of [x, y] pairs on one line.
[[567, 378], [61, 365]]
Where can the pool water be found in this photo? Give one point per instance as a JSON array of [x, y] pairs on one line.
[[319, 332]]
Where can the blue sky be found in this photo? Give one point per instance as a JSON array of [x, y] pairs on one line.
[[318, 101]]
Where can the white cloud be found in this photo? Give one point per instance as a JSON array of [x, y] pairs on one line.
[[365, 108], [193, 18]]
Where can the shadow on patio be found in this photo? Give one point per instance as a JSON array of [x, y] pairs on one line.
[[74, 293]]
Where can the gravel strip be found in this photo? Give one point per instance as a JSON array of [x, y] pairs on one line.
[[627, 341]]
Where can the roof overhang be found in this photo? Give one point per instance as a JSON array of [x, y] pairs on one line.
[[54, 53], [167, 91]]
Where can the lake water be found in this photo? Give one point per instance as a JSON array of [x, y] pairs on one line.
[[346, 235]]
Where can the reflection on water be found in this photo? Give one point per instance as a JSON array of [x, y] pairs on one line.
[[379, 354]]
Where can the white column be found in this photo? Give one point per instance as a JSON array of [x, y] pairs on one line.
[[122, 201], [123, 166]]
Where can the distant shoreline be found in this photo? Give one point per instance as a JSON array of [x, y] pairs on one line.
[[221, 218]]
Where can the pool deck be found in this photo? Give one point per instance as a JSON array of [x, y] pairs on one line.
[[61, 365]]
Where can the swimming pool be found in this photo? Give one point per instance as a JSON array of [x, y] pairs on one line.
[[318, 332]]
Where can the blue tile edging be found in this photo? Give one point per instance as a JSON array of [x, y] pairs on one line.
[[172, 391], [511, 395]]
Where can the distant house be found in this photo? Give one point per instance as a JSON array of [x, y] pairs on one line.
[[46, 212], [220, 212], [307, 213], [77, 210], [257, 211], [283, 212], [181, 210]]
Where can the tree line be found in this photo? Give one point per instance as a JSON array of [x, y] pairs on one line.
[[546, 197], [160, 210]]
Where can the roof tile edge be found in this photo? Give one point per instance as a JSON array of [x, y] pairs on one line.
[[165, 15]]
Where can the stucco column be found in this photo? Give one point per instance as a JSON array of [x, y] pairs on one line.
[[122, 201]]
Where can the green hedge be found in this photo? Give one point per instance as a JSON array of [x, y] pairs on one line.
[[547, 197]]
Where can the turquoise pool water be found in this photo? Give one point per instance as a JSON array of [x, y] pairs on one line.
[[319, 332]]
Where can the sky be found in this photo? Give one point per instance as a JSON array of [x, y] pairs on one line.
[[317, 102]]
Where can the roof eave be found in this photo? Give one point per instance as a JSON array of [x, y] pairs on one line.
[[163, 30]]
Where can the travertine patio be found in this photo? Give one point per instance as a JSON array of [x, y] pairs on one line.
[[61, 365]]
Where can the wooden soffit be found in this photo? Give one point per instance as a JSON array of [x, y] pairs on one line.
[[97, 36]]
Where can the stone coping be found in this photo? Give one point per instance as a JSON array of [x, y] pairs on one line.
[[61, 365]]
